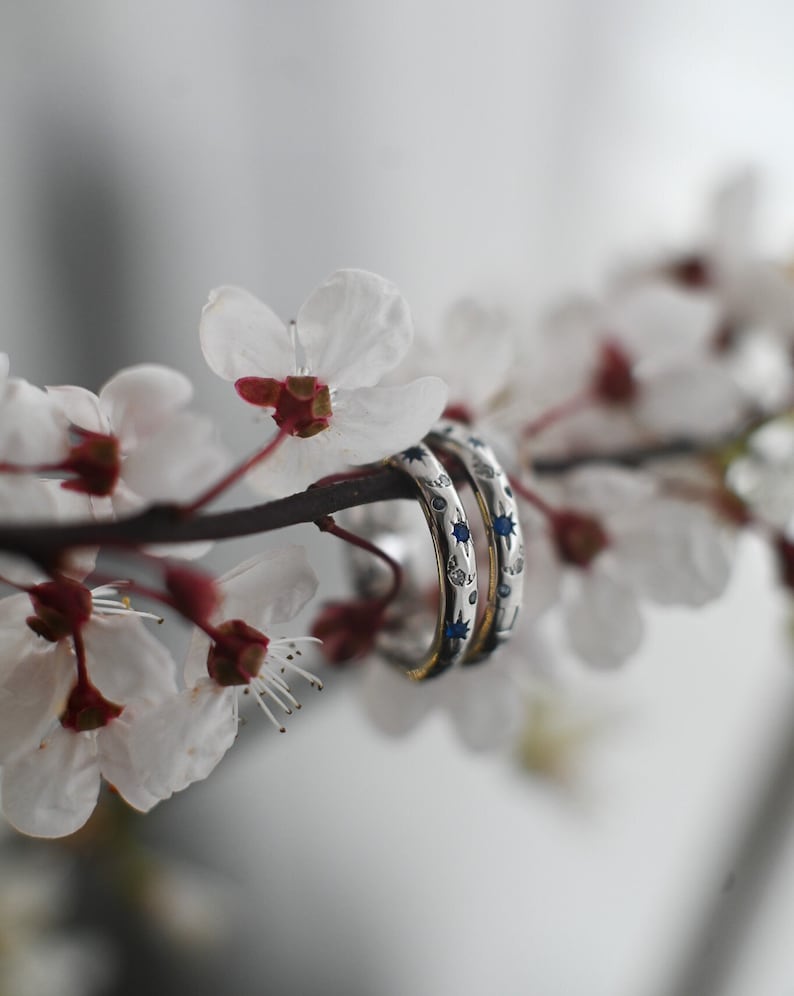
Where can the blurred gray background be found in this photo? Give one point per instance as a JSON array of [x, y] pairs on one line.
[[512, 150]]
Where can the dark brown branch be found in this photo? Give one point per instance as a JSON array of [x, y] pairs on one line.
[[168, 523], [637, 456]]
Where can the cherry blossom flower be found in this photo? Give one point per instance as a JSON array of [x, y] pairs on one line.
[[484, 702], [611, 538], [136, 443], [69, 700], [635, 369], [319, 376], [476, 350], [183, 739]]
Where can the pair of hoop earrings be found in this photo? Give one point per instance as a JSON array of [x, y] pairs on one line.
[[465, 632]]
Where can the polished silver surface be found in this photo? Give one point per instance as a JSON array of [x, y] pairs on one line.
[[503, 530], [456, 570]]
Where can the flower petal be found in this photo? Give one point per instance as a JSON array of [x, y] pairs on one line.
[[353, 328], [177, 462], [375, 422], [34, 684], [242, 337], [656, 321], [126, 663], [182, 740], [393, 703], [297, 463], [33, 429], [51, 790], [141, 399], [485, 705], [80, 407], [603, 620], [269, 588], [116, 766], [675, 554], [698, 400]]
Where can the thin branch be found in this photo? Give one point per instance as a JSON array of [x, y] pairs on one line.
[[163, 523], [169, 524]]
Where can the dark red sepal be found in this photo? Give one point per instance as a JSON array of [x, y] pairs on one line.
[[87, 709], [237, 653]]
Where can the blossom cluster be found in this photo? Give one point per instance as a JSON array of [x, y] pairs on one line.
[[639, 432]]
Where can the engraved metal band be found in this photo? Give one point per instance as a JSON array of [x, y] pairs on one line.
[[457, 573], [505, 540]]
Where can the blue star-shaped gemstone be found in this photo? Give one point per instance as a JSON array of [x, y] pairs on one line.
[[414, 453], [461, 532], [456, 630], [503, 525]]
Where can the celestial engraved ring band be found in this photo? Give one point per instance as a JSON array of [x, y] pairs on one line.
[[454, 550], [503, 531]]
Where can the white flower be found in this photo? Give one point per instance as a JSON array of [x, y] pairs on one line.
[[616, 540], [319, 376], [182, 740], [141, 446], [50, 786], [485, 702], [643, 365]]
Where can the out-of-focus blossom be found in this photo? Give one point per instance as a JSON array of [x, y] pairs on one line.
[[136, 443], [607, 539], [635, 369]]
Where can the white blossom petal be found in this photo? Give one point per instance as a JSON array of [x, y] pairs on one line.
[[474, 339], [354, 328], [485, 705], [35, 681], [271, 587], [375, 422], [392, 702], [674, 554], [697, 400], [656, 321], [125, 662], [297, 463], [603, 621], [542, 573], [33, 429], [26, 501], [51, 790], [139, 400], [81, 407], [178, 462], [116, 766], [242, 337], [183, 739]]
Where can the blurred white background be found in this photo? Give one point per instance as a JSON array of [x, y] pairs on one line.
[[513, 150]]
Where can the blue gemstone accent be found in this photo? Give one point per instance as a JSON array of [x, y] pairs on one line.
[[414, 453], [439, 504], [456, 630], [503, 590], [475, 441], [461, 532], [503, 525], [508, 491], [472, 597]]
